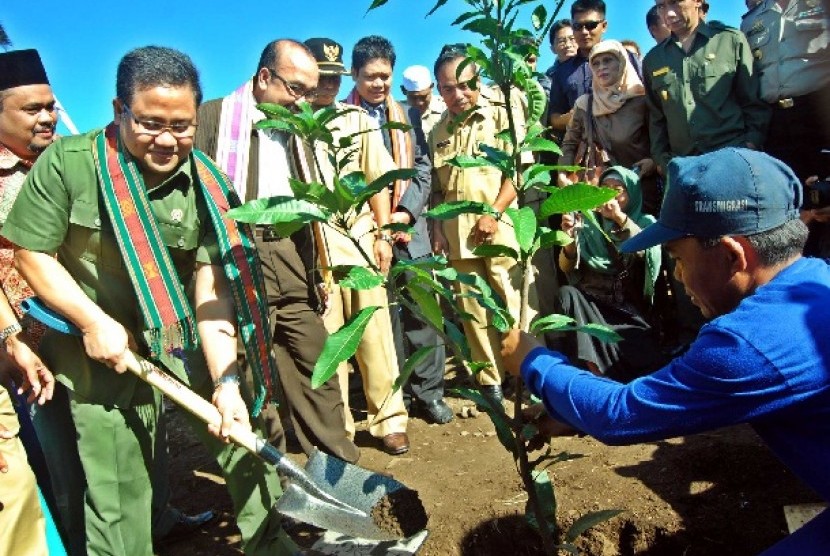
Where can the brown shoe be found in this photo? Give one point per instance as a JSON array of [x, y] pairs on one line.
[[396, 443]]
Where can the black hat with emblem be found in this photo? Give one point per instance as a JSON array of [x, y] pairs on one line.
[[21, 67], [329, 55]]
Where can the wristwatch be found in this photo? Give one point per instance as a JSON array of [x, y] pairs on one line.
[[226, 379], [387, 238], [9, 331], [496, 214]]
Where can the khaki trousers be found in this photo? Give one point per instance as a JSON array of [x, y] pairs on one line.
[[504, 277], [22, 523], [376, 358]]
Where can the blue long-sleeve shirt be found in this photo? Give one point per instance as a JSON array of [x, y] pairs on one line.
[[767, 363]]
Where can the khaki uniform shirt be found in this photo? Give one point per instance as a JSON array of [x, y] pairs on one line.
[[791, 47], [706, 99], [472, 184], [58, 212], [371, 158], [433, 114]]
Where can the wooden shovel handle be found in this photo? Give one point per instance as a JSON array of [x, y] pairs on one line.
[[190, 400]]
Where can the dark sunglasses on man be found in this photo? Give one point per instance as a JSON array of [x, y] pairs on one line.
[[590, 25]]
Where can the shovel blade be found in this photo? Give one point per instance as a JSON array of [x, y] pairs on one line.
[[358, 488]]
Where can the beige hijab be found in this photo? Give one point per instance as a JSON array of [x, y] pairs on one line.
[[608, 100]]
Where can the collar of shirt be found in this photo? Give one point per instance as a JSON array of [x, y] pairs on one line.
[[702, 29], [9, 160], [376, 111]]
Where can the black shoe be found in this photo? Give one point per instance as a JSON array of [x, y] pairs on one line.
[[438, 411], [185, 526], [493, 392]]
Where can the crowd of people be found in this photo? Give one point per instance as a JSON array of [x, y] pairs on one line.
[[710, 140]]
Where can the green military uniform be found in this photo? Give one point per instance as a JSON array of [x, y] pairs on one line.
[[113, 417], [705, 99], [478, 184]]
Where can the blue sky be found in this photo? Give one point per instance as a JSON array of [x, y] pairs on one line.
[[82, 41]]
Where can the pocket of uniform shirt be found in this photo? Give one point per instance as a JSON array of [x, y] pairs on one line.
[[813, 36], [84, 234], [665, 85]]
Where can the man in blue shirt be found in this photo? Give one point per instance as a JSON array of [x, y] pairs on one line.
[[730, 221]]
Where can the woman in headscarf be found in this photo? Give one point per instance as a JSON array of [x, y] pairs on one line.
[[617, 112], [611, 288]]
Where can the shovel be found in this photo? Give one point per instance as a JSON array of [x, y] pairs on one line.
[[329, 493]]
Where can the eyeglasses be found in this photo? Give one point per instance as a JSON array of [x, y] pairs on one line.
[[590, 25], [566, 40], [154, 128], [296, 90]]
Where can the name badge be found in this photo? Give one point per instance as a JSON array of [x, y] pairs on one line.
[[662, 71]]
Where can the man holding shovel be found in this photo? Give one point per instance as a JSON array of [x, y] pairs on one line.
[[111, 227]]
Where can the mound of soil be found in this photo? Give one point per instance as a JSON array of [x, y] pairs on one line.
[[710, 494]]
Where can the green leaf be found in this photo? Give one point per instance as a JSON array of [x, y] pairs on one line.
[[587, 521], [600, 331], [497, 415], [436, 6], [428, 304], [340, 346], [575, 197], [398, 227], [547, 500], [464, 17], [361, 278], [524, 226], [540, 144], [458, 339], [447, 211], [554, 238], [277, 210], [467, 161], [537, 100], [410, 365], [376, 4], [551, 322], [538, 17], [498, 158], [381, 183], [495, 251], [396, 125]]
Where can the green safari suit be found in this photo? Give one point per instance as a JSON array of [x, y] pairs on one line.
[[114, 417], [705, 99]]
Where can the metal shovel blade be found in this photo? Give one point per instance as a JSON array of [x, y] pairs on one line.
[[363, 489]]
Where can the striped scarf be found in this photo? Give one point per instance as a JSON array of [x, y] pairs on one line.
[[402, 151], [167, 314]]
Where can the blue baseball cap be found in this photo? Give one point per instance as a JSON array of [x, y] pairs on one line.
[[727, 192]]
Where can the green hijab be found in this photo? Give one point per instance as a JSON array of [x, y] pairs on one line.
[[594, 248]]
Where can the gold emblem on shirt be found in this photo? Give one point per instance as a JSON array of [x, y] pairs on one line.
[[757, 54], [662, 71], [812, 3]]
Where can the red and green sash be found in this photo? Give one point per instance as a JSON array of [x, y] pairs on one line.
[[167, 314]]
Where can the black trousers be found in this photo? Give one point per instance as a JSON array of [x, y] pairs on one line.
[[299, 336]]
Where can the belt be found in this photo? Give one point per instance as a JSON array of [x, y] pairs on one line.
[[265, 233]]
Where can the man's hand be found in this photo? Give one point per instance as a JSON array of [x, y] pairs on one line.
[[37, 380], [546, 426], [515, 346], [484, 229], [325, 299], [646, 167], [106, 341], [440, 245], [228, 401], [383, 255], [5, 434]]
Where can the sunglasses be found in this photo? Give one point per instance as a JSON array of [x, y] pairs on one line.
[[590, 25]]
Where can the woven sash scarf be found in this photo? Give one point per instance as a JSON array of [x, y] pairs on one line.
[[402, 151], [163, 303]]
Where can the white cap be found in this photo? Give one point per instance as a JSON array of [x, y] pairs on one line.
[[416, 78]]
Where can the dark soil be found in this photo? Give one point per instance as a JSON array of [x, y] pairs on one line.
[[713, 494], [400, 513]]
